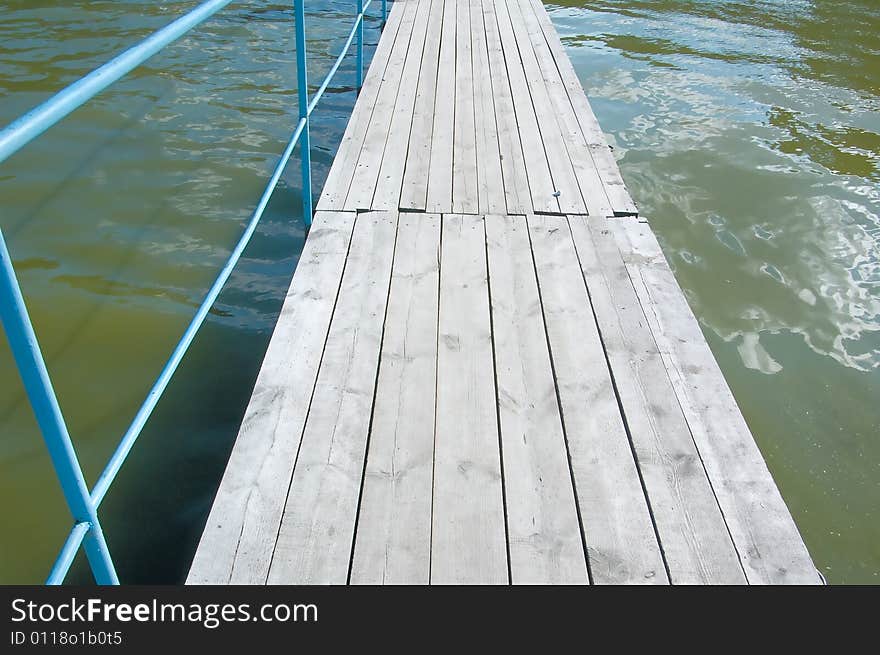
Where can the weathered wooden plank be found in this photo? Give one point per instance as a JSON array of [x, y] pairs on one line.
[[544, 534], [591, 129], [468, 541], [540, 179], [621, 202], [517, 196], [490, 183], [339, 178], [695, 539], [366, 173], [621, 543], [767, 539], [586, 174], [393, 541], [390, 179], [240, 533], [439, 198], [563, 174], [414, 192], [315, 541], [464, 157], [457, 399]]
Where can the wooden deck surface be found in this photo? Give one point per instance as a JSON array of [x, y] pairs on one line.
[[484, 370]]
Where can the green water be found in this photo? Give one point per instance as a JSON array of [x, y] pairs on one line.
[[119, 219], [748, 132]]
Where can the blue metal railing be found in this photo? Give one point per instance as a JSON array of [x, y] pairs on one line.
[[84, 504]]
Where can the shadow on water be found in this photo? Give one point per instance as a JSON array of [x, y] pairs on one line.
[[118, 220], [72, 176], [747, 133], [158, 505]]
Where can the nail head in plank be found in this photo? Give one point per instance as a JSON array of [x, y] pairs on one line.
[[621, 201], [564, 180], [587, 175]]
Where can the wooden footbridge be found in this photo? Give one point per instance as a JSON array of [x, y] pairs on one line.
[[484, 370]]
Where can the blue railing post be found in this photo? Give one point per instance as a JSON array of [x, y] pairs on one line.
[[360, 45], [32, 368], [302, 83], [41, 118], [86, 529]]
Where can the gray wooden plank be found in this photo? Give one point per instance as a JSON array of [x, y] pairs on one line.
[[621, 201], [517, 196], [586, 174], [464, 157], [561, 169], [540, 180], [544, 533], [593, 133], [366, 173], [339, 178], [767, 539], [695, 539], [511, 482], [390, 178], [314, 543], [239, 536], [468, 541], [490, 182], [393, 541], [414, 192], [621, 542], [439, 194]]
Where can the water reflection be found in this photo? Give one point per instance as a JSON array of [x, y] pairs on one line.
[[118, 220], [749, 134]]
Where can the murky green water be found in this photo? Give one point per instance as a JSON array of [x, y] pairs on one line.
[[748, 132], [119, 219]]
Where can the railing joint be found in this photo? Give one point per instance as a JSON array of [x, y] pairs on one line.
[[83, 504]]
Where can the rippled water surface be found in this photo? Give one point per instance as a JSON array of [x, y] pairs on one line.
[[749, 135], [119, 219], [748, 132]]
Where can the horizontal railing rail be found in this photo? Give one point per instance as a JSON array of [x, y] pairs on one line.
[[82, 502]]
